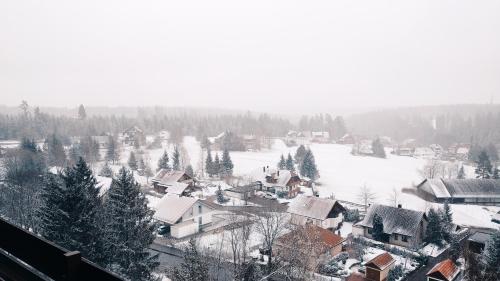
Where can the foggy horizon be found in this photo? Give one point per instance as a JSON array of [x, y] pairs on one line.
[[282, 56]]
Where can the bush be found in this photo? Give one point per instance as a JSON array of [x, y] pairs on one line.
[[281, 194], [351, 215], [341, 257]]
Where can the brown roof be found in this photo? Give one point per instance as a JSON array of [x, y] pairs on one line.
[[445, 269], [381, 261], [328, 238]]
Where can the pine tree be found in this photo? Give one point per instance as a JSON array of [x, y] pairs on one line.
[[193, 267], [55, 151], [112, 150], [132, 161], [227, 164], [189, 171], [282, 163], [378, 228], [220, 195], [446, 222], [163, 162], [455, 249], [308, 167], [483, 169], [82, 114], [299, 154], [434, 233], [141, 165], [176, 158], [217, 167], [74, 154], [496, 172], [71, 205], [378, 148], [106, 171], [209, 164], [461, 173], [492, 257], [289, 165], [129, 229], [148, 172]]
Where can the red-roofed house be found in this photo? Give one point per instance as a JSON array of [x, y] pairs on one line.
[[444, 271], [378, 268]]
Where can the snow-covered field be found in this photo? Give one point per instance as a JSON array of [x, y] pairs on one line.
[[342, 175]]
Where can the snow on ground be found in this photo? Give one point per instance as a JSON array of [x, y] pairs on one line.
[[407, 263], [346, 229], [433, 250]]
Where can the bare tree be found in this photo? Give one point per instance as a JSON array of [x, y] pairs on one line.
[[270, 222], [432, 169], [366, 196], [394, 197], [239, 229]]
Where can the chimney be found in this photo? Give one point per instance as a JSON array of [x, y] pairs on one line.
[[278, 173], [263, 169], [400, 206]]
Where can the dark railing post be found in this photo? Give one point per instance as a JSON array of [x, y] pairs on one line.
[[72, 260]]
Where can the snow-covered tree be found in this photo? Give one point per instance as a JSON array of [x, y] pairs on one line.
[[378, 228], [455, 248], [128, 229], [496, 172], [193, 266], [176, 158], [434, 231], [461, 173], [492, 256], [220, 195], [55, 151], [132, 161], [209, 164], [189, 170], [300, 154], [106, 170], [227, 164], [112, 150], [483, 168], [82, 114], [217, 167], [289, 165], [308, 167], [163, 162], [70, 211], [378, 148], [148, 172], [282, 163]]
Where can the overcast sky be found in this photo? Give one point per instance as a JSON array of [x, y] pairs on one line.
[[258, 55]]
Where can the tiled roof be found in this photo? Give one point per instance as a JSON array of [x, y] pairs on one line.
[[327, 237], [395, 220], [356, 277], [381, 261], [446, 269]]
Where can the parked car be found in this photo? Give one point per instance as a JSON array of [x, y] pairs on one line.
[[163, 230]]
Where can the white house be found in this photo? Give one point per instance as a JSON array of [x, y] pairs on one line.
[[184, 215]]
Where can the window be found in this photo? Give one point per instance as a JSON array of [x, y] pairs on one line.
[[369, 231], [396, 237], [404, 238], [199, 209]]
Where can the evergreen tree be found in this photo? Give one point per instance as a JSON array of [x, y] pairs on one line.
[[492, 152], [112, 150], [446, 222], [163, 162], [227, 164], [70, 211], [300, 154], [176, 158], [282, 163], [132, 161], [220, 196], [378, 228], [148, 172], [106, 171], [141, 165], [447, 214], [378, 148], [205, 142], [461, 173], [492, 257], [55, 151], [289, 165], [82, 114], [217, 167], [189, 170], [495, 175], [128, 229], [193, 267], [74, 154], [209, 164], [308, 167], [455, 249], [434, 233], [392, 276], [483, 169]]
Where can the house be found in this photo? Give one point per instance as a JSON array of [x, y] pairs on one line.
[[461, 191], [459, 151], [294, 138], [347, 139], [403, 227], [378, 268], [184, 215], [477, 242], [132, 134], [177, 182], [362, 147], [404, 151], [320, 137], [446, 270], [322, 212], [309, 241], [278, 180], [243, 192], [102, 141], [438, 149], [251, 142], [424, 153]]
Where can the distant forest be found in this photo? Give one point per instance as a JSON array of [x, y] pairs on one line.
[[478, 124]]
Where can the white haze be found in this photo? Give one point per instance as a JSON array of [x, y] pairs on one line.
[[260, 55]]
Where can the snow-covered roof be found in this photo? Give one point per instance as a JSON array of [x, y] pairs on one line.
[[311, 207], [167, 178], [480, 237], [170, 209], [473, 187], [395, 220], [437, 187], [177, 188], [320, 134], [282, 177]]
